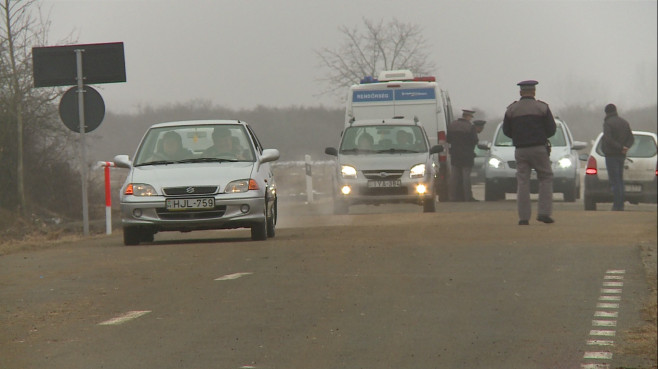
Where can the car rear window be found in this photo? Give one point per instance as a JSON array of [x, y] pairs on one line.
[[644, 146]]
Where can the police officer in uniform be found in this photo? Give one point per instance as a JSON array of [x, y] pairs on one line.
[[530, 123], [462, 137]]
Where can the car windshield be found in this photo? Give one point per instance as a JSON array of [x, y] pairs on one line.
[[644, 146], [194, 143], [558, 138], [379, 139]]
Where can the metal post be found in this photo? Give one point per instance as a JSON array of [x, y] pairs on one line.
[[83, 150], [309, 179]]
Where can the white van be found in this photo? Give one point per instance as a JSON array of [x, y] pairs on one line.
[[398, 93]]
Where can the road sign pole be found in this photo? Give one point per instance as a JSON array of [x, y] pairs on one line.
[[83, 150]]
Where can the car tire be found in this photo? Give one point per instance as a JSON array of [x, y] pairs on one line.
[[589, 202], [131, 236], [147, 236], [259, 231], [491, 193], [271, 222], [429, 205], [341, 207], [570, 193]]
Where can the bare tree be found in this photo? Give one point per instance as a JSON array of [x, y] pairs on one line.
[[380, 46]]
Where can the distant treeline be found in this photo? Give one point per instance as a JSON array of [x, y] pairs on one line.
[[297, 130]]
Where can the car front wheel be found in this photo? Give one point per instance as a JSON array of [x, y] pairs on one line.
[[590, 204], [131, 236]]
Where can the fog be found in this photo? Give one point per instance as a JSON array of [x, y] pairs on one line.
[[241, 54]]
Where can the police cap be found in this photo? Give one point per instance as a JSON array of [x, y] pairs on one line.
[[479, 122], [468, 111], [527, 85]]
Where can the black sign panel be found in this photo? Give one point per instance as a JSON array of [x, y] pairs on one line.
[[56, 65], [94, 109]]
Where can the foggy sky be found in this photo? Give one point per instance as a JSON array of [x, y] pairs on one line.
[[244, 53]]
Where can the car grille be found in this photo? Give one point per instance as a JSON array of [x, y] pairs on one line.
[[512, 164], [190, 190], [217, 212], [383, 174]]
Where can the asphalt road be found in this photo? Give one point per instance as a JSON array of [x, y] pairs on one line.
[[382, 287]]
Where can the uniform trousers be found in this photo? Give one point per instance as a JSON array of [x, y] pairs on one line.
[[615, 167], [460, 183], [537, 158]]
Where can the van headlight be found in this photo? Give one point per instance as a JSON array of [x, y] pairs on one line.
[[348, 171], [565, 162], [417, 171], [496, 163]]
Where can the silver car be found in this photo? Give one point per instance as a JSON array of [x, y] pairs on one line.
[[500, 168], [198, 175], [384, 161]]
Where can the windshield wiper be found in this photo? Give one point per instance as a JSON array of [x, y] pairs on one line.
[[350, 151], [156, 162], [392, 151], [206, 160]]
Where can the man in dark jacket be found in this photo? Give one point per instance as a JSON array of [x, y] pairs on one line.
[[530, 123], [617, 139], [462, 137]]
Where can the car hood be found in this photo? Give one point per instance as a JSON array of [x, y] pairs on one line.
[[191, 174], [384, 161], [506, 153]]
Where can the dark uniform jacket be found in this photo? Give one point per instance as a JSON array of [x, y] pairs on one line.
[[529, 122], [616, 134], [462, 138]]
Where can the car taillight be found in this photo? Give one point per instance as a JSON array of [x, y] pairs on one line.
[[591, 166]]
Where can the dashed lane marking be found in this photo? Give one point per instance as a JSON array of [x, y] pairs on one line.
[[125, 317], [232, 276]]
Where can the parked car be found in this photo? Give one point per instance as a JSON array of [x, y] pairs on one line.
[[640, 172], [500, 170], [198, 175], [384, 161]]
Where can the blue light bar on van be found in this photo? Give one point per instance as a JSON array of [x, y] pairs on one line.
[[368, 79]]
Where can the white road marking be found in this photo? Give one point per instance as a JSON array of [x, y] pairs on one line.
[[607, 305], [616, 271], [613, 284], [600, 342], [232, 276], [614, 277], [606, 314], [125, 317], [607, 333], [604, 323], [598, 355], [610, 298], [595, 366], [611, 290]]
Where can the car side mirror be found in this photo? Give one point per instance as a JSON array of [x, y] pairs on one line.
[[578, 145], [331, 151], [583, 157], [122, 161], [269, 155], [436, 149], [484, 145]]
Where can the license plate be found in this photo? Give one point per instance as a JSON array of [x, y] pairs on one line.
[[379, 184], [190, 204], [533, 174], [633, 188]]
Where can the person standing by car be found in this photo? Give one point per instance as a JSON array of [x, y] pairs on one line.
[[530, 124], [617, 139], [462, 137]]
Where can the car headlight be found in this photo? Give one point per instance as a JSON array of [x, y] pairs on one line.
[[565, 162], [348, 171], [496, 163], [140, 189], [417, 171], [241, 185]]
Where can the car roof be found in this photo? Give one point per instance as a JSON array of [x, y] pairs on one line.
[[383, 122], [198, 122]]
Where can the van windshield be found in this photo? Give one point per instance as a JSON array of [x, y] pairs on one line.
[[378, 139]]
